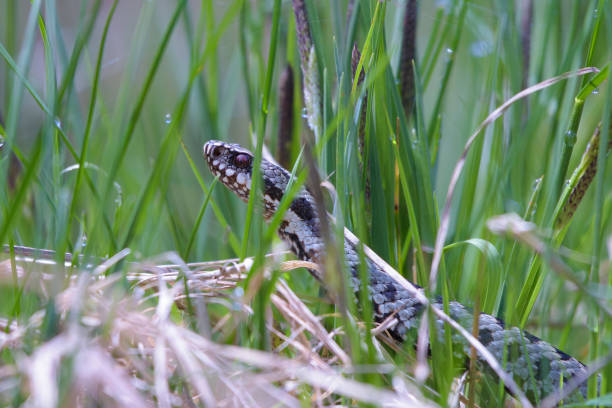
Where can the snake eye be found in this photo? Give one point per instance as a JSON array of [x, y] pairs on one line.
[[242, 160], [217, 151]]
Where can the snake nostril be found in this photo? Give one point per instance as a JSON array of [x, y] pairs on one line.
[[216, 151]]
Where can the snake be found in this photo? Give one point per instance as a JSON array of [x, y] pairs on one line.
[[536, 366]]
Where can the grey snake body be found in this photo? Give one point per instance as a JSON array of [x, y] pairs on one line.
[[536, 365]]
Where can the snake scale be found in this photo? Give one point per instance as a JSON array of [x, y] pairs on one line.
[[537, 366]]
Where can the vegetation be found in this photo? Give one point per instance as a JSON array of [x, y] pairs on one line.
[[162, 288]]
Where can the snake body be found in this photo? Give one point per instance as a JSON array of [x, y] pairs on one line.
[[536, 365]]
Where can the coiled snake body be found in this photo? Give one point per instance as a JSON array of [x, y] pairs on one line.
[[535, 364]]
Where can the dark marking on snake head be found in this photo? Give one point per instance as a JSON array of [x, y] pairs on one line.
[[272, 190]]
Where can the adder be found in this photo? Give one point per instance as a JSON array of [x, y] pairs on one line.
[[537, 366]]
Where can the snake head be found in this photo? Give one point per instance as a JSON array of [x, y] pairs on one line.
[[232, 164]]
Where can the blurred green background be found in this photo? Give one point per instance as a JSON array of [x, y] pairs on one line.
[[218, 107]]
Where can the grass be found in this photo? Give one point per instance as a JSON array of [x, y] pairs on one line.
[[183, 296]]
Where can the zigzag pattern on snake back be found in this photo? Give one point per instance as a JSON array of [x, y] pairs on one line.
[[534, 364]]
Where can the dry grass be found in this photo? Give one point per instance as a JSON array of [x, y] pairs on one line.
[[119, 346]]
